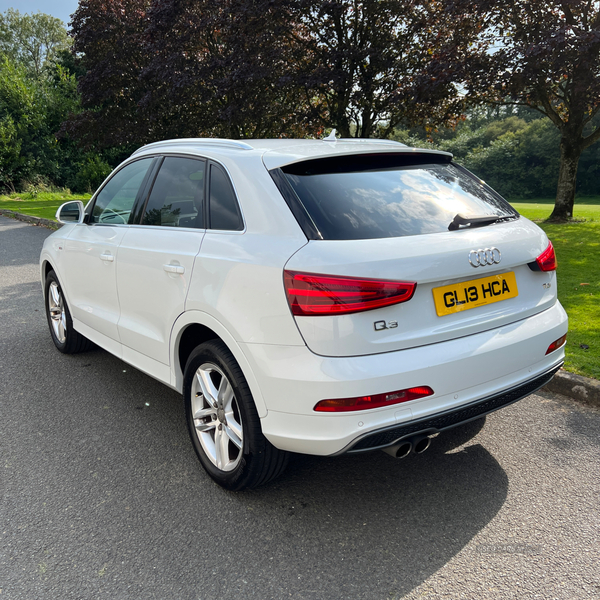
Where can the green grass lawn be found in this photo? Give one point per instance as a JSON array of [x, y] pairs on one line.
[[43, 204], [577, 247]]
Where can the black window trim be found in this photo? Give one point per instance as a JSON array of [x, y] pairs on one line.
[[143, 199], [308, 226]]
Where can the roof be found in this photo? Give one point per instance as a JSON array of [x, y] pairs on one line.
[[279, 152]]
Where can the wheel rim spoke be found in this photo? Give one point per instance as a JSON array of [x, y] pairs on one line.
[[204, 427], [234, 433], [204, 413], [60, 334], [209, 391], [222, 448], [55, 294], [58, 317], [225, 394]]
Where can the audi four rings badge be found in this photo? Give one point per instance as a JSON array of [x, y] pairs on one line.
[[484, 256]]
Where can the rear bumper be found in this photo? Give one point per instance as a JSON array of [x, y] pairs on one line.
[[471, 376], [450, 418]]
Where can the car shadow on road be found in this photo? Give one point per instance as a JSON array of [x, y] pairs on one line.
[[113, 447], [392, 522]]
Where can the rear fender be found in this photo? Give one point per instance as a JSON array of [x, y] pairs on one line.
[[196, 317]]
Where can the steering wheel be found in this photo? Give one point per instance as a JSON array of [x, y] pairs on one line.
[[113, 214]]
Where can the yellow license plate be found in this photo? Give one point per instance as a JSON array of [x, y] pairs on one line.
[[454, 298]]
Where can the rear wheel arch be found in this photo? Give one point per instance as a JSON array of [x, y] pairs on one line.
[[194, 328]]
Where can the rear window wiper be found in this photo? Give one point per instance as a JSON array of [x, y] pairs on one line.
[[474, 221]]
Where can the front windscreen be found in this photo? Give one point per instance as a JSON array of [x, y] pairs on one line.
[[375, 196]]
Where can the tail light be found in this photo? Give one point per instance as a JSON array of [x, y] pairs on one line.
[[375, 401], [561, 341], [546, 261], [313, 294]]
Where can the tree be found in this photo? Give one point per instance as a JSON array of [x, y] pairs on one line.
[[31, 111], [258, 68], [226, 68], [110, 37], [32, 40], [544, 54], [368, 64], [185, 68]]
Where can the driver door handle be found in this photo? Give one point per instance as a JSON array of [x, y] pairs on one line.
[[107, 256], [174, 269]]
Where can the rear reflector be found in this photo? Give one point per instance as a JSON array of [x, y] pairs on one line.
[[313, 294], [546, 261], [557, 344], [375, 401]]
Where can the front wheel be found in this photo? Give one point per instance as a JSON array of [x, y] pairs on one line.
[[223, 423]]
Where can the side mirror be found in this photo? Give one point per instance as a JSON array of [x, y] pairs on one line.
[[70, 212]]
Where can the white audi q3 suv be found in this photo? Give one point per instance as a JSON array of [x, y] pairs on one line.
[[308, 296]]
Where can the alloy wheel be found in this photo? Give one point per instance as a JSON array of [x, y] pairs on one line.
[[217, 418], [56, 308]]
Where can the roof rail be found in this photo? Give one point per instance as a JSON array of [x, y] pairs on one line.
[[370, 141], [223, 143]]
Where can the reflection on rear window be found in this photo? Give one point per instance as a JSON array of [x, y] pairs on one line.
[[388, 199]]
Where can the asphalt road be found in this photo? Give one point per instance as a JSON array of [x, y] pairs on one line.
[[101, 495]]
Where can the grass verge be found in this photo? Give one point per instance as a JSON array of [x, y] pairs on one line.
[[577, 247], [42, 204]]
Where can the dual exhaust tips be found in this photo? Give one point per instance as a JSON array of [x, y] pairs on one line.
[[417, 444]]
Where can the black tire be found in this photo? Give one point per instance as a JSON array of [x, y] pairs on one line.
[[65, 338], [223, 423]]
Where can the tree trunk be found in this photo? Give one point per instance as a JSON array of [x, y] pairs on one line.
[[567, 180]]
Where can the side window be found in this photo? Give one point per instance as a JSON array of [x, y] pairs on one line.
[[223, 207], [177, 195], [115, 201]]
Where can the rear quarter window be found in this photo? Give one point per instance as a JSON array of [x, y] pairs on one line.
[[224, 212]]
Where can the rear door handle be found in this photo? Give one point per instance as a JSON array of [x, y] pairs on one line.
[[174, 269], [108, 257]]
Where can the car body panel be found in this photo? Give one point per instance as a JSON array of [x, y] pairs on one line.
[[240, 275], [293, 380], [89, 263]]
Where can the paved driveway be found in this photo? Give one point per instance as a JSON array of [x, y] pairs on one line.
[[101, 495]]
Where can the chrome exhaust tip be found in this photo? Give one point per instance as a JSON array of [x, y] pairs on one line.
[[420, 444], [400, 450]]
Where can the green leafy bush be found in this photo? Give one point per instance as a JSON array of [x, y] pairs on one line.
[[91, 174]]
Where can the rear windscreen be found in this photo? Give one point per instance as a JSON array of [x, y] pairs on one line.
[[380, 196]]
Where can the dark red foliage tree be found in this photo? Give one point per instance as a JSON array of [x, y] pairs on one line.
[[259, 68], [110, 37], [227, 68]]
